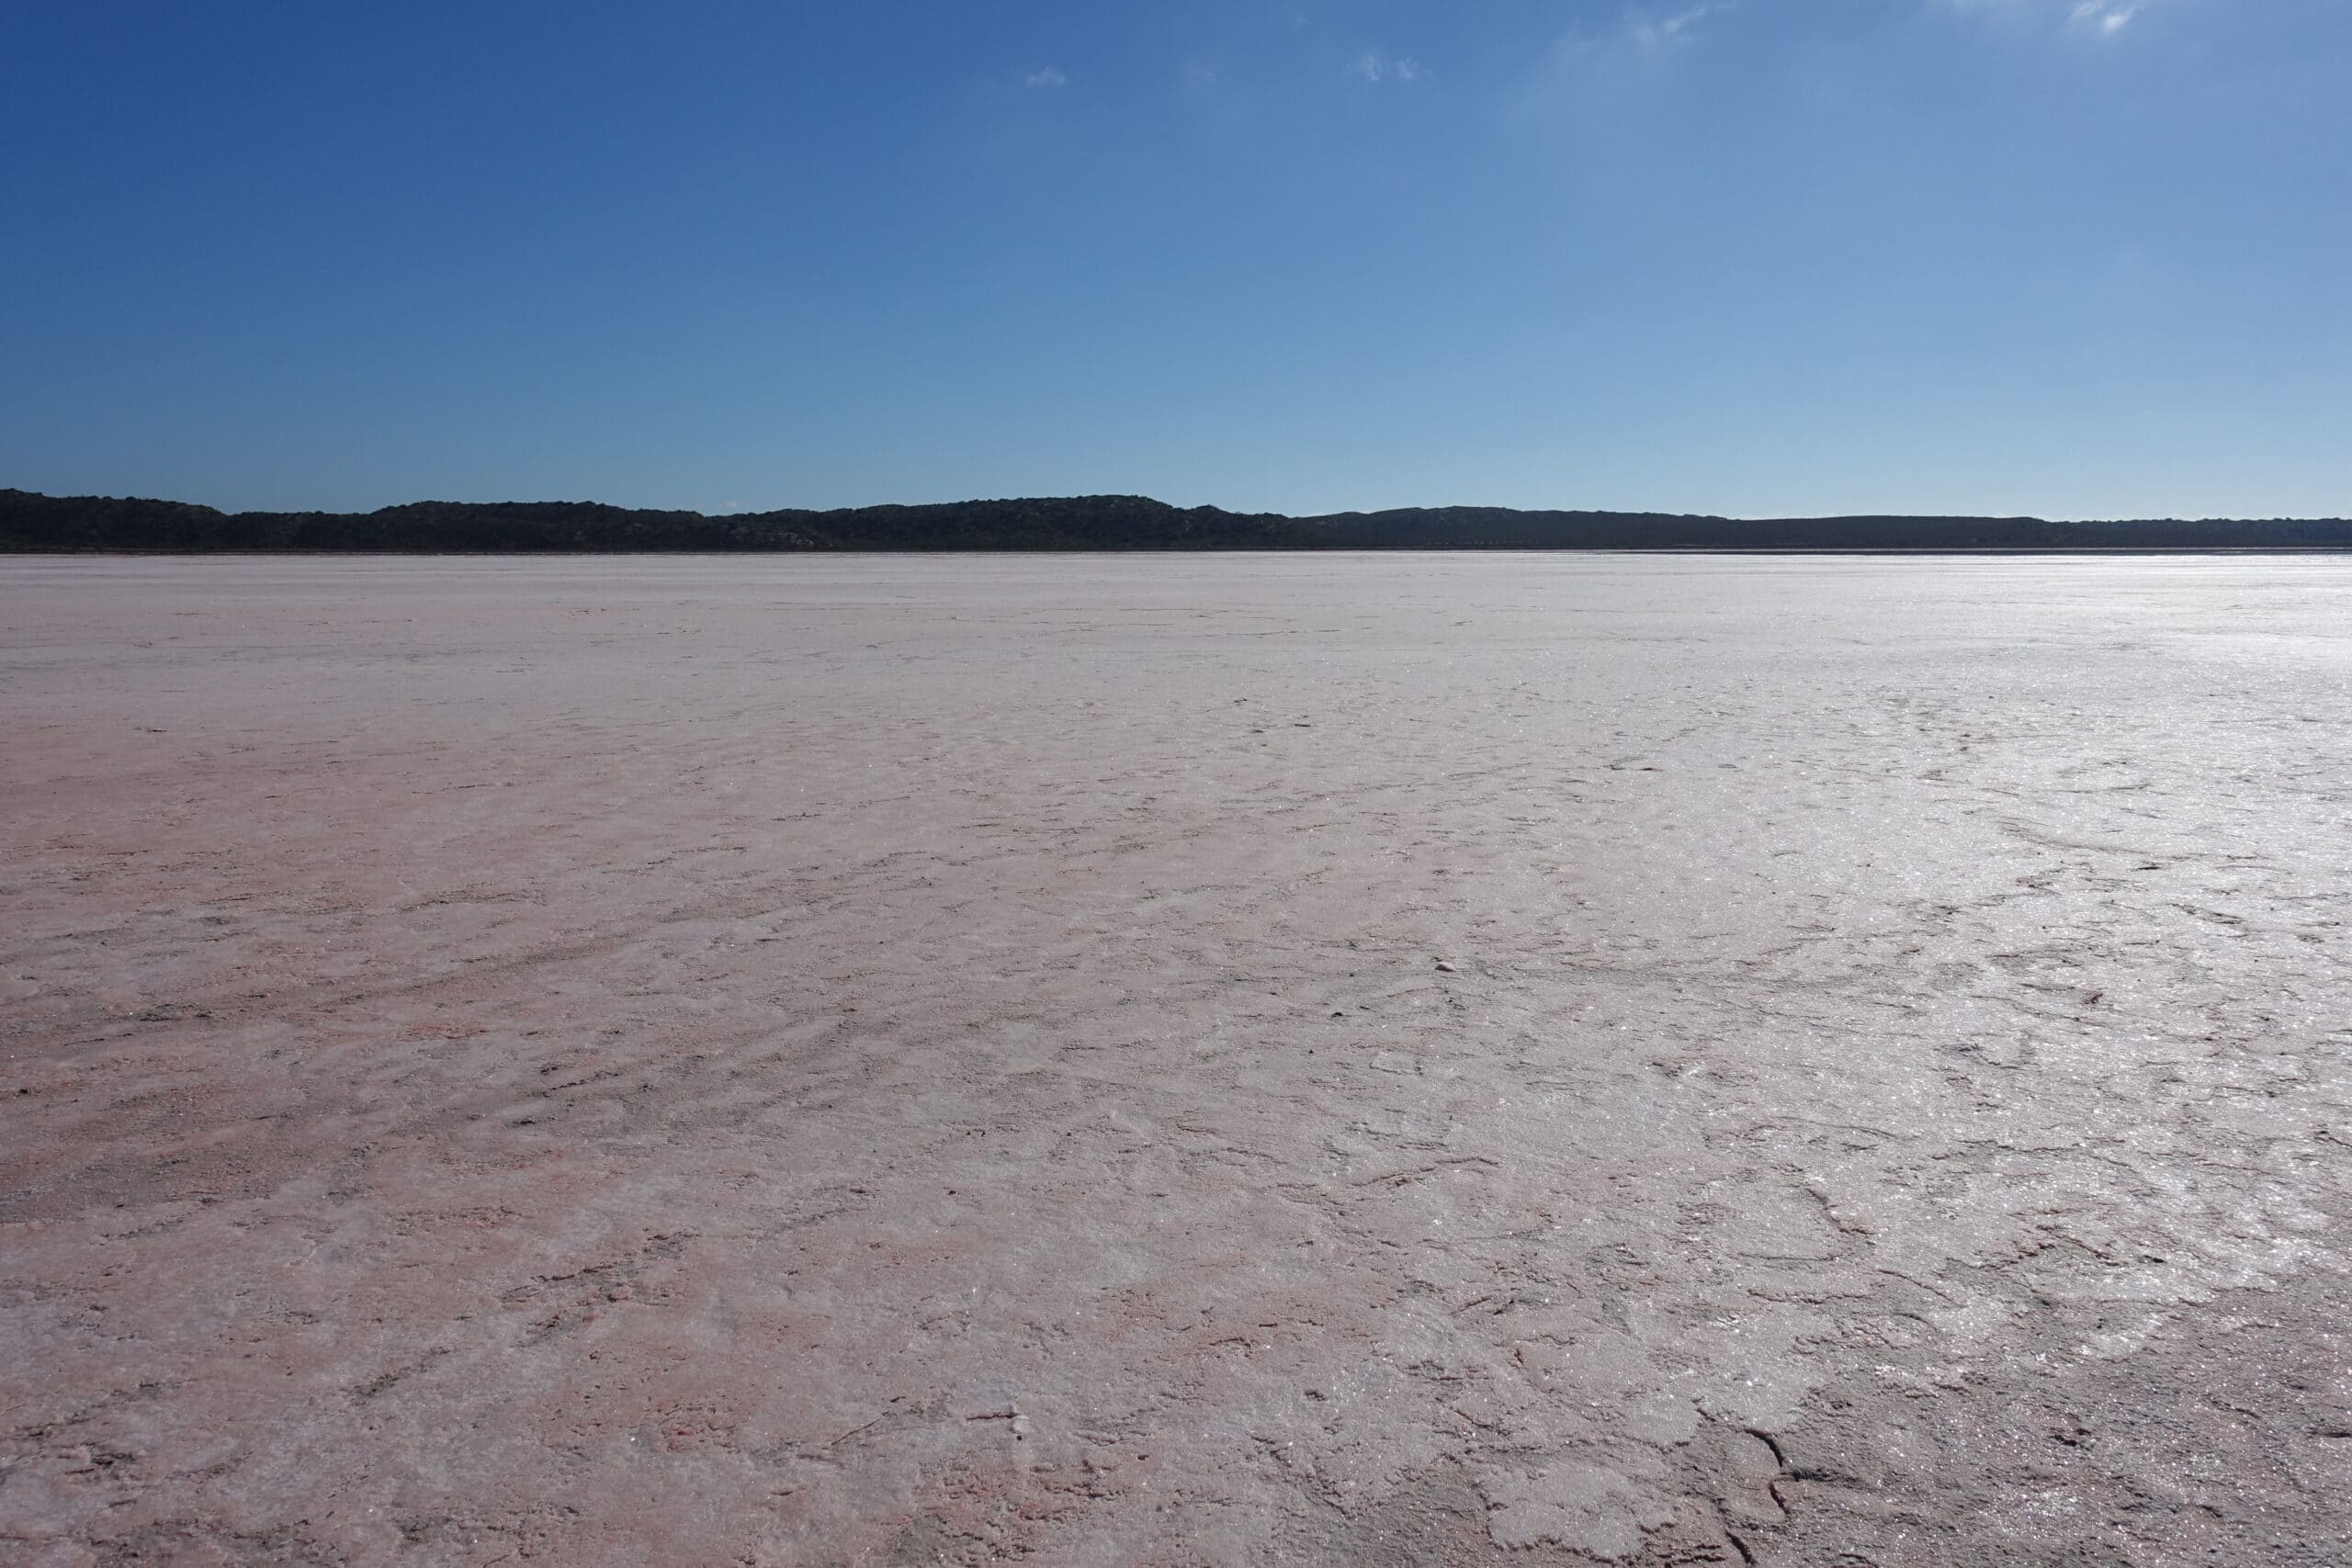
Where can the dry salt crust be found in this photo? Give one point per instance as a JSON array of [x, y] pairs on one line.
[[1230, 1060]]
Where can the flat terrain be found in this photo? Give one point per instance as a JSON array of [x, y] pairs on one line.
[[1176, 1060]]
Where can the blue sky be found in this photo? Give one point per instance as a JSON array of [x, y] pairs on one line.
[[1752, 257]]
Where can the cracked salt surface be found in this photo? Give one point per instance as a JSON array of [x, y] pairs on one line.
[[1433, 1059]]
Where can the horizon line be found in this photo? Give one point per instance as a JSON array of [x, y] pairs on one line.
[[1204, 506]]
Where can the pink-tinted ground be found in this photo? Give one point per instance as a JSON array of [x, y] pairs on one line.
[[1175, 1061]]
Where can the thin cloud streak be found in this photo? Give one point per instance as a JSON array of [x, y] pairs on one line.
[[2105, 15], [2103, 19], [1681, 28]]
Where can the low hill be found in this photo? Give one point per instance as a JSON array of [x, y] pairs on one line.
[[35, 523]]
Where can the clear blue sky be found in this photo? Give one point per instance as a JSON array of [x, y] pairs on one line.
[[1753, 257]]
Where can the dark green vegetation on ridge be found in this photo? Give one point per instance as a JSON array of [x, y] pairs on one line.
[[34, 523]]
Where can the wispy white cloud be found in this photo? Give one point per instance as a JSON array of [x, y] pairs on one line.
[[1642, 38], [1652, 31], [2108, 17], [1382, 68], [2102, 18], [1043, 76]]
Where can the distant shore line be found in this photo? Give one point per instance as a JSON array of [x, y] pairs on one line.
[[33, 523]]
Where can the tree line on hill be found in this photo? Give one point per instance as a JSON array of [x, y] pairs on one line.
[[35, 523]]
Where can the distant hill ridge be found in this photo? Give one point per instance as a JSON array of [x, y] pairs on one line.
[[35, 523]]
